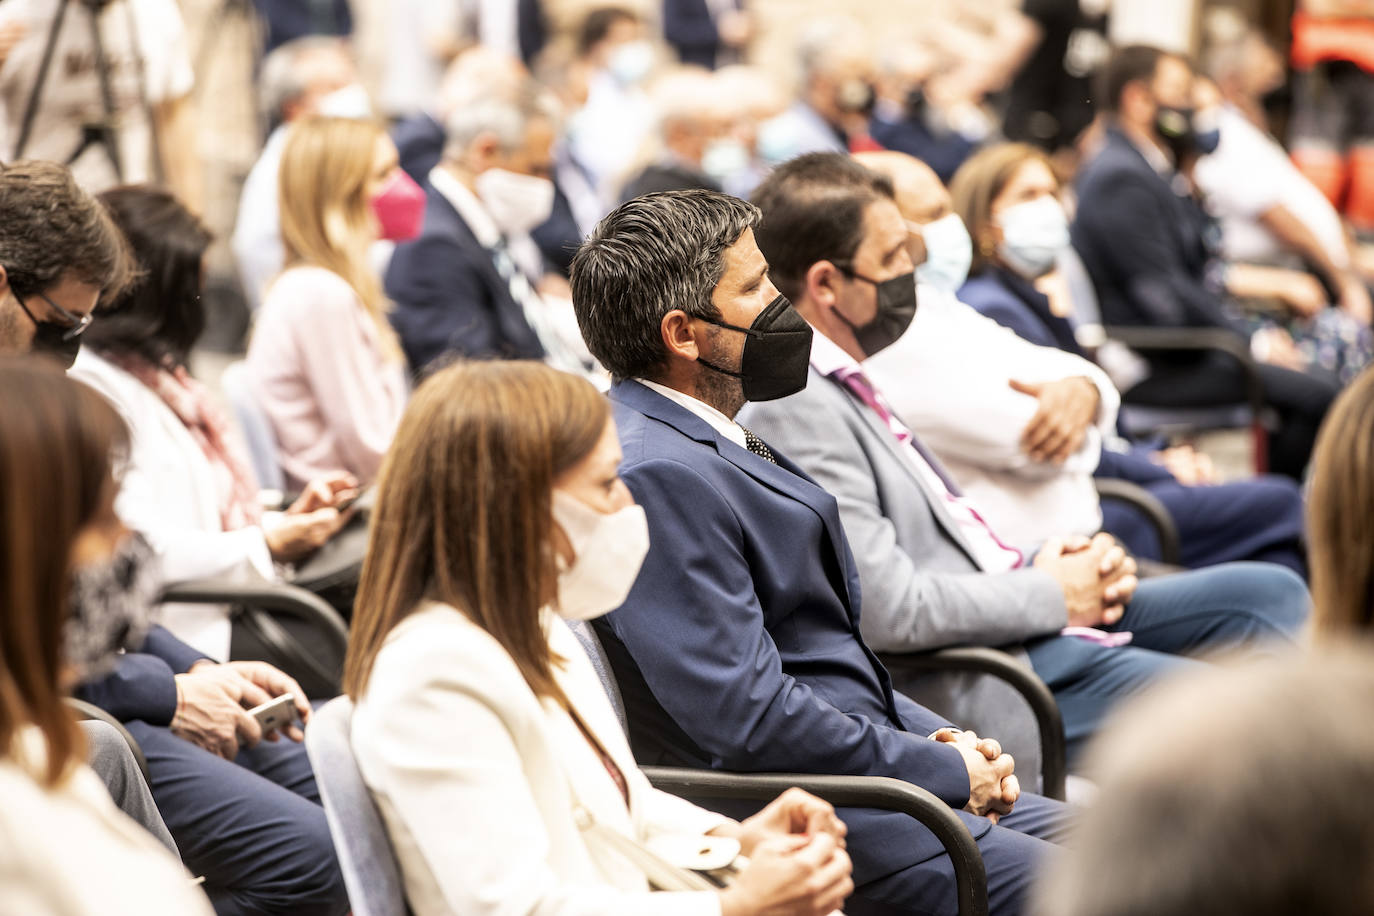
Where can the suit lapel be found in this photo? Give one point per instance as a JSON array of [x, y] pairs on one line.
[[784, 477], [934, 500]]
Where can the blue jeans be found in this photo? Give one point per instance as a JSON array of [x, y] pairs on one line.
[[1258, 607], [253, 827]]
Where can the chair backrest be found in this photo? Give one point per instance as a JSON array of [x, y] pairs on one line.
[[368, 862], [257, 429], [587, 636]]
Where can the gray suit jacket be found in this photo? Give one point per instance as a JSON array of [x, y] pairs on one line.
[[921, 584], [922, 587]]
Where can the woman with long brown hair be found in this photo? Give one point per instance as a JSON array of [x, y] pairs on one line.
[[63, 555], [481, 727], [325, 364], [1340, 515]]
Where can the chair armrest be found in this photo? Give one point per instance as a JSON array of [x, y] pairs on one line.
[[261, 604], [1149, 506], [998, 664], [883, 792], [84, 710], [277, 597], [1164, 340]]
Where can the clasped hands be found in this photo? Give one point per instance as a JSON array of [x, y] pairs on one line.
[[213, 701], [1096, 574], [993, 788]]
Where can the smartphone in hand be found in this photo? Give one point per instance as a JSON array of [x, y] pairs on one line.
[[275, 714]]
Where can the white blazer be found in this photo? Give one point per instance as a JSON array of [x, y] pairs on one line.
[[167, 493], [68, 851], [478, 780]]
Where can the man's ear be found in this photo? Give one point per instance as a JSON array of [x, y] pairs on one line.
[[820, 284], [678, 337], [4, 281], [483, 152]]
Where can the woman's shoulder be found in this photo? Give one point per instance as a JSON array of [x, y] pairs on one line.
[[307, 287], [438, 645]]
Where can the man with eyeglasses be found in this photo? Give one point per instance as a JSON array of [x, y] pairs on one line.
[[59, 252]]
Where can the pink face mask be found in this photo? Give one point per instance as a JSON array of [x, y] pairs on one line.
[[399, 207]]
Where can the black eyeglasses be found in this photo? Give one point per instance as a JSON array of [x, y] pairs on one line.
[[76, 324]]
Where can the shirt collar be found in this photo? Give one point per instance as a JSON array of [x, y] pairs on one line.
[[467, 205], [718, 421], [828, 358]]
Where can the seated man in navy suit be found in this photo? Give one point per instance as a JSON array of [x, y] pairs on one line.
[[739, 646], [245, 813], [934, 571], [467, 285]]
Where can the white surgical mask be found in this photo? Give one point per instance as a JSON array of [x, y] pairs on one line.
[[517, 203], [608, 552], [1033, 234], [724, 158], [351, 101], [631, 62], [949, 252]]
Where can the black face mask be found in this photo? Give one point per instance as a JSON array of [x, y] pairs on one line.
[[52, 339], [916, 104], [896, 309], [777, 352], [1175, 127]]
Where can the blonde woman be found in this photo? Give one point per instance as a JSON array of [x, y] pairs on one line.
[[324, 362]]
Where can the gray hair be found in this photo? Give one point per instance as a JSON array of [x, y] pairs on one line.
[[506, 115], [652, 255], [286, 75]]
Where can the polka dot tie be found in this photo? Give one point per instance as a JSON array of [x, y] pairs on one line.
[[758, 447]]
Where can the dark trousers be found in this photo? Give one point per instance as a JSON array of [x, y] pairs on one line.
[[1258, 607], [1300, 400], [1259, 519], [253, 827], [1013, 855]]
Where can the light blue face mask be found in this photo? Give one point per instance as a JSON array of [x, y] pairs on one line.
[[724, 158], [631, 62], [1033, 234], [949, 253]]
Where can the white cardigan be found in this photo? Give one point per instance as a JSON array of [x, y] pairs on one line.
[[477, 779], [68, 851], [167, 492]]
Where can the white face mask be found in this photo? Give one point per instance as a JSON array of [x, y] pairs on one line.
[[949, 252], [517, 203], [608, 551], [725, 158], [631, 62], [351, 101], [1033, 234]]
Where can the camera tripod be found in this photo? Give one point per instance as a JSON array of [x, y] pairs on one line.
[[101, 132]]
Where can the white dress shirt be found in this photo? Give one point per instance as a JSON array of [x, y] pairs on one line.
[[719, 421], [948, 378]]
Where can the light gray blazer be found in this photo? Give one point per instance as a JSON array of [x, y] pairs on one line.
[[922, 588], [921, 584]]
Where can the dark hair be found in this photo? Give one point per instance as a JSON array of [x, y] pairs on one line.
[[58, 441], [813, 210], [597, 24], [51, 228], [464, 509], [652, 255], [1133, 63], [161, 315]]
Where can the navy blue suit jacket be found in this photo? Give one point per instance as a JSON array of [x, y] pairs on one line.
[[143, 684], [689, 28], [1143, 244], [944, 153], [739, 646], [449, 296]]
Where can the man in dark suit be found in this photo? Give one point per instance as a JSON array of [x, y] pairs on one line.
[[739, 647], [245, 813], [1141, 235], [463, 286], [707, 33]]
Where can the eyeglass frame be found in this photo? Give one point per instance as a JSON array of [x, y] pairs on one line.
[[77, 324]]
